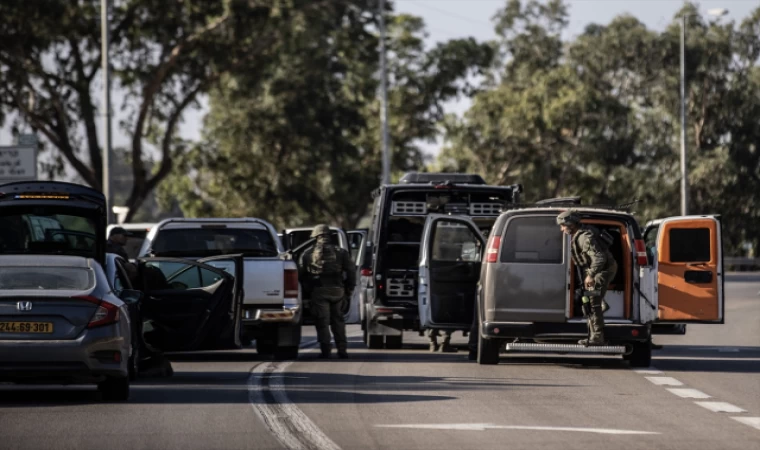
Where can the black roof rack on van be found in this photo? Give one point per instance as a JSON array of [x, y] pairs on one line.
[[441, 178], [569, 202]]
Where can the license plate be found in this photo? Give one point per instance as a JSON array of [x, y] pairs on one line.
[[26, 327]]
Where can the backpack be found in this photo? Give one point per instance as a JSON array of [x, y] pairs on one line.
[[325, 261], [605, 238]]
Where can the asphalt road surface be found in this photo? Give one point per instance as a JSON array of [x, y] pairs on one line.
[[703, 392]]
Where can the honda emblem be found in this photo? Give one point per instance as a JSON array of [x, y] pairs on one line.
[[24, 306]]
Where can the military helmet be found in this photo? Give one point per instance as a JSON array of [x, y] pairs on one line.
[[320, 230], [568, 217]]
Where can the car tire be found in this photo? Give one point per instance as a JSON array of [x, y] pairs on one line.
[[641, 356], [286, 353], [114, 389], [265, 348], [364, 332], [133, 364], [488, 351], [375, 341], [394, 342]]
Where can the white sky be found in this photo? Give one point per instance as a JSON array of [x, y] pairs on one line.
[[447, 19]]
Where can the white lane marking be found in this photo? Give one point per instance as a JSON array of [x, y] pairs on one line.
[[664, 381], [721, 407], [284, 419], [491, 426], [754, 422], [648, 371], [688, 393]]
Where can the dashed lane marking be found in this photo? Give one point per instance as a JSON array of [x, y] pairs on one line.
[[490, 426], [688, 393], [754, 422], [648, 371], [664, 381], [721, 407]]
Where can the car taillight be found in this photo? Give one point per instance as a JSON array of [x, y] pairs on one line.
[[366, 272], [291, 283], [492, 253], [106, 314], [641, 252]]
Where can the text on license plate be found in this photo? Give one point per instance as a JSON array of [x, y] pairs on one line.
[[26, 327]]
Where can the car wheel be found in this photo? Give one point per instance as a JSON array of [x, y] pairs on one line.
[[286, 353], [265, 347], [641, 356], [488, 351], [134, 364], [394, 342], [114, 389]]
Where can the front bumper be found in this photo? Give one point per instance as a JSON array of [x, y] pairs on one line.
[[89, 358], [613, 332]]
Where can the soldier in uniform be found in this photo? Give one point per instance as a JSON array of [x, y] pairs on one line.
[[116, 241], [446, 347], [594, 258], [332, 275]]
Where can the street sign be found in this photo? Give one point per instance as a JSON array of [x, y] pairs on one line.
[[18, 163]]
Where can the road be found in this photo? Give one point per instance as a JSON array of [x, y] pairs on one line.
[[412, 399]]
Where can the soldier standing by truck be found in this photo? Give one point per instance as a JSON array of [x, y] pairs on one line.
[[332, 274], [595, 260]]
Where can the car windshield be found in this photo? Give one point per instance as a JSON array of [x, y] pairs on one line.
[[201, 242], [46, 278], [48, 234]]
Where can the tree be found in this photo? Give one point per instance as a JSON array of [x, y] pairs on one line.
[[164, 54], [300, 144]]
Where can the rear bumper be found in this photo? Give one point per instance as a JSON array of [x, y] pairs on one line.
[[289, 312], [88, 358], [562, 331]]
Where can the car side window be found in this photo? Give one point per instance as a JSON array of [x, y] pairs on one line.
[[454, 241], [121, 280], [161, 275], [650, 242]]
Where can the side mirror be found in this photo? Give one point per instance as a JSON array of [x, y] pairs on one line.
[[131, 296]]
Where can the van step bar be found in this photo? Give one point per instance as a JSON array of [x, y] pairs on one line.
[[567, 348]]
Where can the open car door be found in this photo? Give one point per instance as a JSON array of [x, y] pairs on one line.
[[449, 271], [192, 305], [688, 259]]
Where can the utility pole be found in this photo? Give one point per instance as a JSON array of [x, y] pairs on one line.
[[106, 182], [384, 100], [684, 170]]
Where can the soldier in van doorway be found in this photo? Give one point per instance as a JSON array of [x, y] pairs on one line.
[[332, 274], [597, 263]]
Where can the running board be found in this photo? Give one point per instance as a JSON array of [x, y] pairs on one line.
[[566, 348]]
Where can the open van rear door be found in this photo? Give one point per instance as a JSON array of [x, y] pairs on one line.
[[449, 271], [689, 270]]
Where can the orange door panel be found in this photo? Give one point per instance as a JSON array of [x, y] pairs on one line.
[[689, 266]]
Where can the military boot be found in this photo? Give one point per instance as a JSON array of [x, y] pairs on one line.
[[342, 353], [596, 328], [326, 349], [446, 347]]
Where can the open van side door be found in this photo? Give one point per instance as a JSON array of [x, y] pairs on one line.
[[449, 271], [357, 245], [688, 260]]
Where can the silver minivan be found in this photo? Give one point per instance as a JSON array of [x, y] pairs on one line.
[[526, 284]]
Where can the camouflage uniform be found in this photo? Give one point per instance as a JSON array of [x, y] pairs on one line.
[[432, 335], [325, 267], [596, 262]]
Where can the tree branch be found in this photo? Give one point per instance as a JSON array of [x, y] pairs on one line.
[[82, 87]]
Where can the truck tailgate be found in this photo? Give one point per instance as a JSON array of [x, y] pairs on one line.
[[264, 281]]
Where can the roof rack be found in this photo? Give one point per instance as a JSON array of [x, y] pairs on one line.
[[559, 204], [441, 178]]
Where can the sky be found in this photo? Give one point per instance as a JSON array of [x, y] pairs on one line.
[[449, 19]]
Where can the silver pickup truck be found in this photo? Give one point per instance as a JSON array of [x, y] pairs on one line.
[[272, 305]]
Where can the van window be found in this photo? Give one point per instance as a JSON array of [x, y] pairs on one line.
[[690, 245], [535, 240], [455, 242]]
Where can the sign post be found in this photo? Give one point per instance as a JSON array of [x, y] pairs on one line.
[[18, 163]]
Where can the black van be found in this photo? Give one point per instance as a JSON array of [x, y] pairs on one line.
[[50, 217], [390, 275]]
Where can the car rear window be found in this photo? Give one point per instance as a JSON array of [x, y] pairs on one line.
[[48, 234], [536, 240], [690, 245], [46, 278], [202, 242]]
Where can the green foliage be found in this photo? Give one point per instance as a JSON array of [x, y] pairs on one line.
[[599, 116]]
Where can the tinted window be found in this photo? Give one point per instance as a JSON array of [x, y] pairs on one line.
[[46, 278], [532, 240], [297, 238], [690, 245], [454, 242], [200, 242], [135, 242], [47, 234], [161, 275]]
